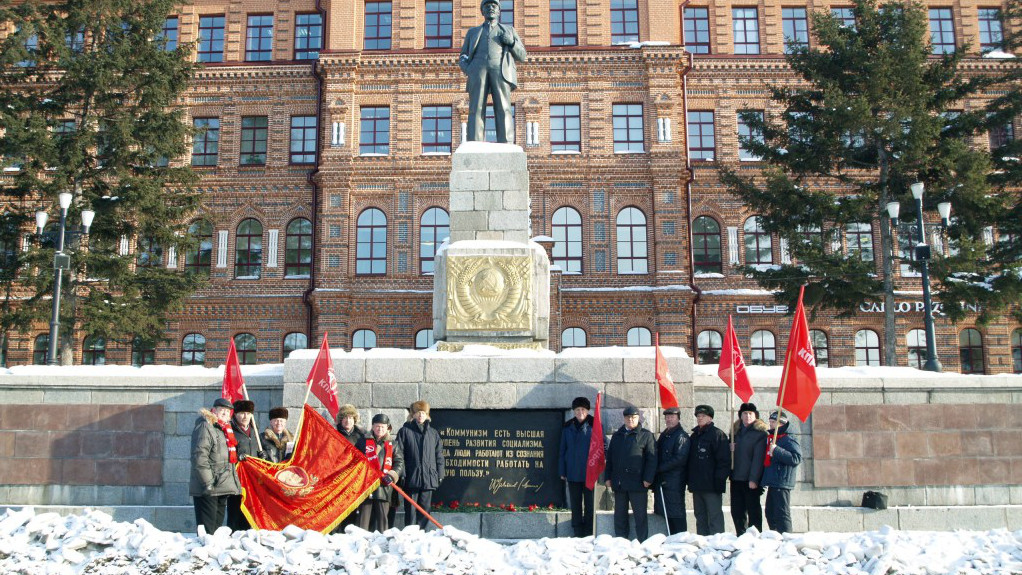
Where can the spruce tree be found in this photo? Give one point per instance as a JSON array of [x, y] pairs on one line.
[[91, 102]]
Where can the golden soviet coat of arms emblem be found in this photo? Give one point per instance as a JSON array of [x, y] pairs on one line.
[[489, 293]]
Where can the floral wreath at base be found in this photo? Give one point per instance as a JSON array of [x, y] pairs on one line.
[[475, 507]]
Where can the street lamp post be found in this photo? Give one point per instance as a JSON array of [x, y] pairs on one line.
[[61, 262]]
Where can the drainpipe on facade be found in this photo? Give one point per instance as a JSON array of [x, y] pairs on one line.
[[688, 194], [312, 178]]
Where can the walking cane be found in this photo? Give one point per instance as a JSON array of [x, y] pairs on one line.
[[663, 504]]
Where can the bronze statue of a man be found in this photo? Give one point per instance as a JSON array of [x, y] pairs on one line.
[[488, 57]]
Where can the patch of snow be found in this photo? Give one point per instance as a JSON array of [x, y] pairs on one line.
[[998, 55], [161, 371], [748, 292], [709, 275], [472, 147], [630, 288]]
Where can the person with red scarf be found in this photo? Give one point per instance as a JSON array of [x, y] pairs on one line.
[[779, 474], [214, 460], [388, 457]]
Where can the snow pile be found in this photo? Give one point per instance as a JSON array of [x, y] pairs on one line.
[[93, 543]]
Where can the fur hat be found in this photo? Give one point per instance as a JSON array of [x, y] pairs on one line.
[[348, 410], [704, 409], [244, 406], [581, 402], [421, 405], [223, 402], [278, 413], [782, 419], [381, 418], [748, 407]]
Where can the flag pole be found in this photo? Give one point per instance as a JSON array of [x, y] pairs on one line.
[[416, 505], [731, 400], [656, 402], [784, 380]]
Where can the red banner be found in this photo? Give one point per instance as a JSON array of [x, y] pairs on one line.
[[597, 460], [799, 390], [668, 394], [233, 382], [732, 366], [323, 381], [324, 481]]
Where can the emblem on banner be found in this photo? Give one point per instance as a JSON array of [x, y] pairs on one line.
[[295, 481]]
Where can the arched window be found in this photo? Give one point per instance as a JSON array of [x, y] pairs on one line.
[[293, 341], [763, 348], [424, 339], [573, 337], [631, 241], [706, 245], [867, 348], [193, 349], [638, 336], [143, 352], [298, 249], [371, 243], [566, 227], [245, 344], [970, 349], [758, 246], [199, 257], [248, 250], [821, 348], [94, 351], [1016, 350], [859, 238], [708, 346], [40, 348], [363, 339], [916, 341], [434, 228]]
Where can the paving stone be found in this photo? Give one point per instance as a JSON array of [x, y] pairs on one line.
[[510, 180], [874, 519], [462, 200], [488, 201], [929, 518], [467, 522], [589, 369], [553, 395], [469, 180], [839, 520]]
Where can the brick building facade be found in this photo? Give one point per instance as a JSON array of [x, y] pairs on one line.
[[329, 128]]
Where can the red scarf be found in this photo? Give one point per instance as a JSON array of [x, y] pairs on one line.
[[770, 442], [232, 442], [388, 454]]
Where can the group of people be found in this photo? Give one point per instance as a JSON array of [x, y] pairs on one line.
[[703, 461], [225, 434]]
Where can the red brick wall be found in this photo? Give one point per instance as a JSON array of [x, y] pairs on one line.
[[81, 444], [891, 445]]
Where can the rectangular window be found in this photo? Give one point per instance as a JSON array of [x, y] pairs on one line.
[[253, 140], [697, 30], [563, 23], [439, 24], [566, 127], [991, 29], [628, 136], [795, 28], [377, 26], [1002, 135], [211, 39], [846, 16], [169, 34], [374, 134], [308, 36], [436, 129], [507, 12], [31, 46], [745, 133], [942, 31], [206, 143], [745, 24], [259, 38], [624, 21], [303, 139], [75, 41], [701, 137]]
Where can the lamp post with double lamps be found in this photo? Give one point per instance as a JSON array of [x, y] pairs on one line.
[[61, 262], [923, 254]]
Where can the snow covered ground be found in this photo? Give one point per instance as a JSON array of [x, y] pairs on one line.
[[92, 543]]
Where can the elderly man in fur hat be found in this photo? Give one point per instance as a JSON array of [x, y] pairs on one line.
[[347, 424], [749, 441], [214, 455], [277, 440], [424, 461], [387, 456], [248, 445]]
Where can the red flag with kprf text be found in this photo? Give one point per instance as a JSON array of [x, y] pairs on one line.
[[668, 394], [597, 460], [233, 382], [323, 381], [799, 390], [732, 366]]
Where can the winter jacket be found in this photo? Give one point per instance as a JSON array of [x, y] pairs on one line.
[[247, 444], [709, 459], [423, 456], [575, 438], [672, 462], [384, 492], [787, 455], [631, 459], [276, 446], [354, 436], [212, 471], [750, 448]]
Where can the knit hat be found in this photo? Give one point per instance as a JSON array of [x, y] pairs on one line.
[[672, 411], [278, 413], [580, 402], [348, 410], [418, 406], [631, 410], [704, 409], [223, 402], [244, 406], [782, 419], [381, 418], [748, 407]]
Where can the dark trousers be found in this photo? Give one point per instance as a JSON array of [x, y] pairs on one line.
[[372, 515], [745, 507], [709, 512], [483, 80], [412, 515], [675, 503], [580, 500], [778, 509], [209, 511], [637, 499], [236, 520]]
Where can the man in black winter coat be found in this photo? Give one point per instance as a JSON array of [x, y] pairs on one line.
[[424, 461], [709, 464], [672, 461], [630, 472], [750, 440]]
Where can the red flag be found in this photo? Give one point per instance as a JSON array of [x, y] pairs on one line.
[[323, 482], [233, 381], [668, 395], [323, 381], [597, 460], [732, 366], [799, 390]]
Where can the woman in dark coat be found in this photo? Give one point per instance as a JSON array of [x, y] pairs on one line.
[[387, 456], [214, 455], [424, 461]]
